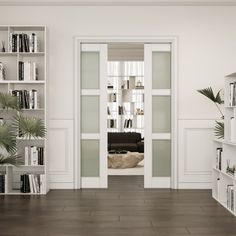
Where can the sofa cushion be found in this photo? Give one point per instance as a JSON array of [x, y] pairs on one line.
[[121, 137], [132, 147]]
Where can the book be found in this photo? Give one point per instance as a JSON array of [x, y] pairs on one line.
[[2, 183], [34, 155], [233, 129], [27, 155]]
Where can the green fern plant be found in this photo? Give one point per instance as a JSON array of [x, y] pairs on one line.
[[7, 138], [217, 100], [29, 127], [8, 101], [10, 160]]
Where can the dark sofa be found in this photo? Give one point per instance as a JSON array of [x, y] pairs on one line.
[[129, 141]]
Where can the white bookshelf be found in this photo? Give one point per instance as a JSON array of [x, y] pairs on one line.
[[222, 179], [11, 63], [129, 96]]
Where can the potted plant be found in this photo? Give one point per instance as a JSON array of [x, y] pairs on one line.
[[19, 126], [218, 101]]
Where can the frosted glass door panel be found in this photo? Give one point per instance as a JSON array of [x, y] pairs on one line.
[[90, 158], [90, 114], [90, 70], [161, 150], [161, 114], [161, 70]]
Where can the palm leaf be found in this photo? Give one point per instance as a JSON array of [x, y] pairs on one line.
[[29, 127], [8, 101], [10, 160], [208, 92], [218, 98], [219, 129], [7, 138]]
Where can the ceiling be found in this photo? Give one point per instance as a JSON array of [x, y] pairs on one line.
[[121, 2]]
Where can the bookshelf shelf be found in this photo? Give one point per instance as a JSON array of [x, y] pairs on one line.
[[224, 184], [25, 64], [22, 82]]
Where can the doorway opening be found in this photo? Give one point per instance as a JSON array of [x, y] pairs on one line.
[[127, 101], [125, 109]]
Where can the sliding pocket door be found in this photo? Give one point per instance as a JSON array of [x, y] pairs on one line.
[[157, 58], [93, 140]]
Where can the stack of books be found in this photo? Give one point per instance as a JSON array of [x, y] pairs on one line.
[[112, 123], [2, 183], [28, 70], [34, 156], [23, 43], [26, 99], [31, 183]]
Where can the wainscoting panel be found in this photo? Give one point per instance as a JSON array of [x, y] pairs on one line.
[[195, 153], [61, 155]]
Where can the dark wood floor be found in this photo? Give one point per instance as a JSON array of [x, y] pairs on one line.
[[125, 209]]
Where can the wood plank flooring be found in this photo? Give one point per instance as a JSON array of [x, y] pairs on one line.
[[125, 209]]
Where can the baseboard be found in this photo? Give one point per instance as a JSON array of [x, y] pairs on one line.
[[92, 182], [61, 185], [158, 182], [194, 185]]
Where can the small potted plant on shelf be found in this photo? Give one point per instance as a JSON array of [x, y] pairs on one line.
[[218, 101], [18, 126]]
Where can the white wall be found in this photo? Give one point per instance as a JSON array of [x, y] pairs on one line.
[[207, 52]]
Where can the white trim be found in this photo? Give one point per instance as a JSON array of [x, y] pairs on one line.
[[161, 92], [61, 185], [160, 182], [194, 185], [148, 119], [90, 136], [161, 136], [103, 116], [118, 3], [149, 39], [91, 182]]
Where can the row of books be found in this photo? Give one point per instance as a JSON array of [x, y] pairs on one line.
[[230, 197], [26, 99], [2, 183], [111, 123], [128, 123], [31, 183], [23, 42], [34, 156], [232, 94], [28, 70], [219, 158]]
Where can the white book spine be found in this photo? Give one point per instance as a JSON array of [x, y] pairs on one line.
[[34, 156], [35, 43], [42, 184], [37, 183], [31, 184], [35, 99], [26, 155], [31, 103], [231, 94], [31, 43], [34, 184], [233, 129], [10, 43], [33, 71]]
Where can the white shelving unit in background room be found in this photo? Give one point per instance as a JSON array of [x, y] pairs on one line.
[[125, 88], [224, 161], [25, 63]]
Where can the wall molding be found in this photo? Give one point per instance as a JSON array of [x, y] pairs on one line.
[[61, 154], [195, 154], [117, 3]]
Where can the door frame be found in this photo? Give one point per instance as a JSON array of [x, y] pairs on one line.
[[173, 40]]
